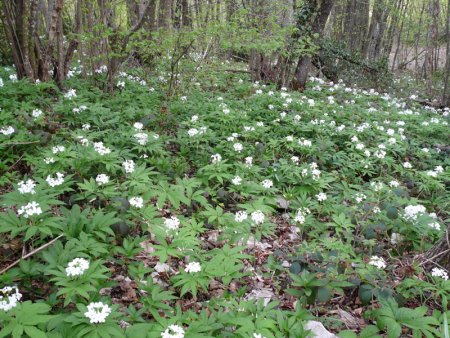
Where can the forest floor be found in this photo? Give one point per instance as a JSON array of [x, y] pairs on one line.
[[231, 210]]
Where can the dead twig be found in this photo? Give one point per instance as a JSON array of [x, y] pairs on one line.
[[42, 247]]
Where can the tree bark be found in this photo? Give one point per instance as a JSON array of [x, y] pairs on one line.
[[446, 93], [319, 12]]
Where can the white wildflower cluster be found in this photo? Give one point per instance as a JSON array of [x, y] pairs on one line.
[[193, 267], [77, 267], [412, 212], [248, 161], [173, 331], [258, 335], [359, 197], [267, 184], [237, 180], [300, 216], [49, 160], [295, 160], [194, 131], [238, 147], [54, 182], [128, 166], [26, 187], [216, 158], [71, 93], [407, 165], [141, 138], [434, 173], [138, 126], [377, 262], [321, 197], [100, 148], [9, 297], [257, 217], [121, 84], [137, 202], [58, 149], [7, 130], [305, 143], [172, 223], [437, 272], [102, 179], [376, 186], [79, 109], [30, 209], [240, 216], [83, 140], [97, 312], [36, 113]]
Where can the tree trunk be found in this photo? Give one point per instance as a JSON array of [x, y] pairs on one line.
[[376, 30], [319, 12], [165, 14], [446, 93]]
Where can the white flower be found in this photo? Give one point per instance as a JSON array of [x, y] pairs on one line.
[[257, 217], [192, 132], [377, 262], [173, 331], [240, 216], [321, 197], [290, 138], [54, 182], [267, 184], [97, 312], [248, 161], [236, 180], [9, 297], [102, 179], [172, 223], [86, 126], [412, 212], [138, 125], [359, 197], [258, 335], [58, 149], [101, 149], [300, 217], [194, 118], [26, 187], [7, 130], [295, 159], [49, 160], [121, 84], [137, 202], [13, 77], [238, 147], [437, 272], [36, 113], [394, 184], [77, 267], [380, 154], [216, 158], [407, 165], [70, 94], [183, 98], [1, 82], [435, 225], [193, 267], [30, 209], [128, 166], [142, 138]]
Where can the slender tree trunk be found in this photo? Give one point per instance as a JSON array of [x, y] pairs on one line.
[[318, 19], [165, 14], [446, 93]]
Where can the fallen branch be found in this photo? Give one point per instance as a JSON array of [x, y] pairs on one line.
[[42, 247]]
